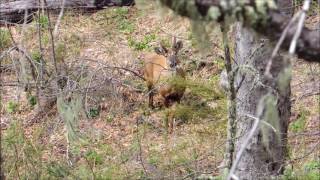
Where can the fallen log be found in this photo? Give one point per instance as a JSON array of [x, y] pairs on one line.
[[20, 11]]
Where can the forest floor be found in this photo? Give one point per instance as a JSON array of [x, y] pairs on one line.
[[122, 138]]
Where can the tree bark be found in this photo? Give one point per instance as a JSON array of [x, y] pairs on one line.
[[258, 160], [266, 153], [14, 12]]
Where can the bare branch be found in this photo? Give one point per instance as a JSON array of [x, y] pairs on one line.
[[55, 32], [293, 44]]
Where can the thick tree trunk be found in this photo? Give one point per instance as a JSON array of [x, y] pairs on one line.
[[14, 12], [259, 160], [265, 154]]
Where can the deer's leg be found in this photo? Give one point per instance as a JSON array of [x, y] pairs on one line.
[[151, 97], [170, 120]]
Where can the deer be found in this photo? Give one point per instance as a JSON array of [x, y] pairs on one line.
[[159, 68]]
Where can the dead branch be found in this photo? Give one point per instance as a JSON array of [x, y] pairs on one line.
[[13, 12]]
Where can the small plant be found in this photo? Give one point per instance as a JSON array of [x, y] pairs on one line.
[[36, 56], [57, 170], [299, 124], [142, 45], [93, 157], [12, 107], [5, 39], [121, 11], [43, 21], [110, 118], [126, 26], [32, 100], [93, 112]]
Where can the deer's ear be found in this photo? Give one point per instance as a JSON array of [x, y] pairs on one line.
[[178, 46], [161, 50]]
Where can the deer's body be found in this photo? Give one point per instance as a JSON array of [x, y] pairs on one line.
[[159, 68]]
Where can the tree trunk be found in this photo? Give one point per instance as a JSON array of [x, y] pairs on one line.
[[14, 12], [260, 159]]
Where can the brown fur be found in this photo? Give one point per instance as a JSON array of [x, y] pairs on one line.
[[156, 70]]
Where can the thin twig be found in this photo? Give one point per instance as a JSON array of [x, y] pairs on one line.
[[296, 36], [52, 41], [276, 49], [117, 67], [56, 27], [140, 150]]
